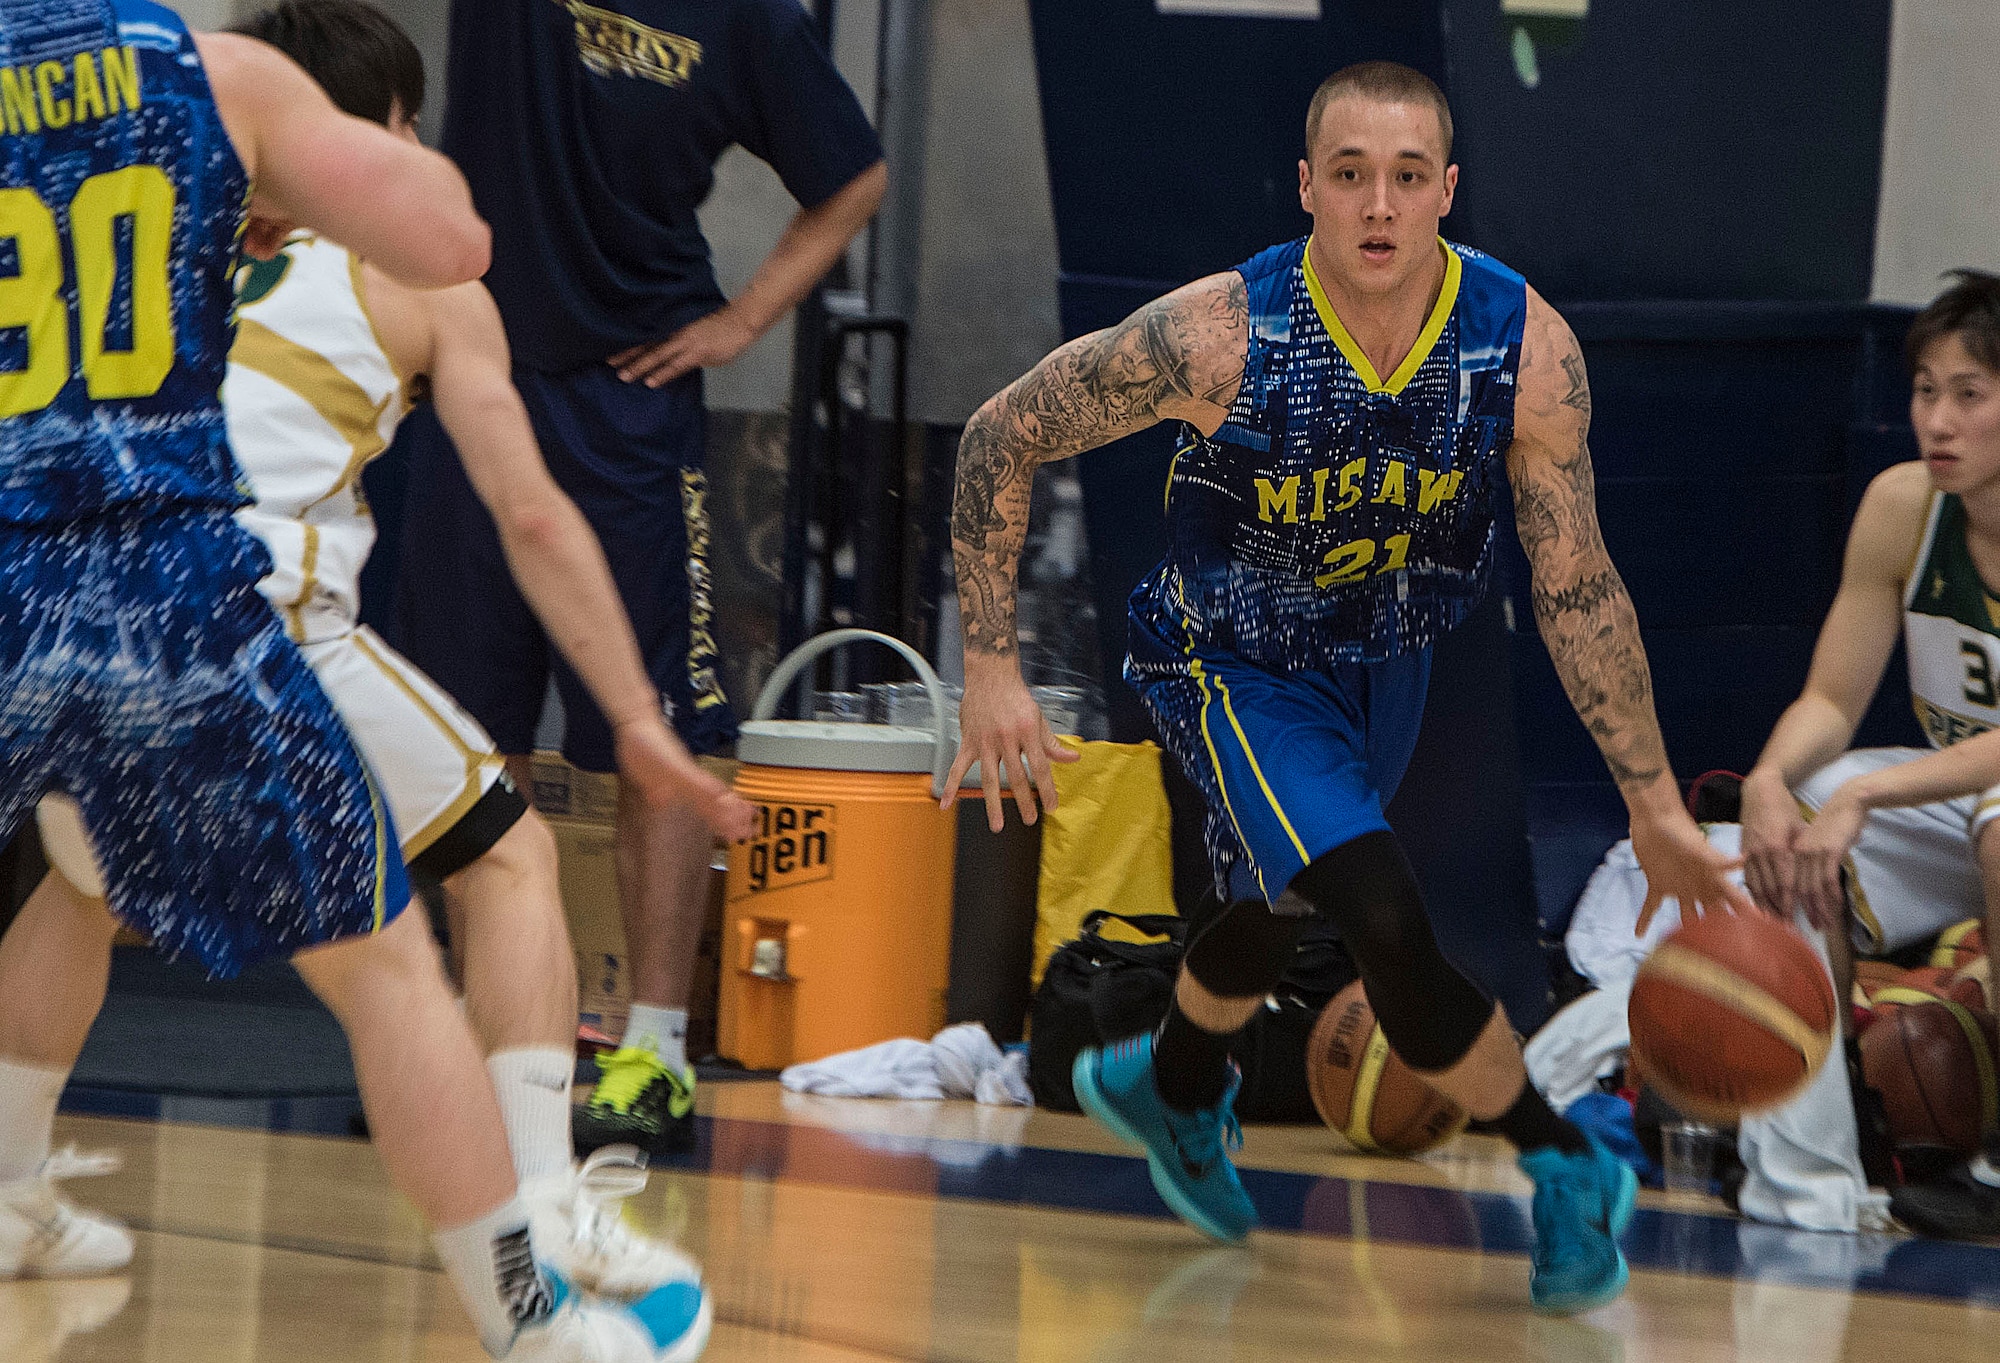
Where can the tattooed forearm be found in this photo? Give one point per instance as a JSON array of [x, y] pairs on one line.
[[1581, 605], [1168, 359]]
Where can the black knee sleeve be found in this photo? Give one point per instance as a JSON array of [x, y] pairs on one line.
[[1430, 1012], [1239, 950]]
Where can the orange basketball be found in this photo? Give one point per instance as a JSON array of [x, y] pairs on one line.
[[1934, 982], [1933, 1064], [1959, 945], [1366, 1093], [1872, 977], [1733, 1013]]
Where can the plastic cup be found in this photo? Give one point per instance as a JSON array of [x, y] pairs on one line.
[[840, 707], [1688, 1153]]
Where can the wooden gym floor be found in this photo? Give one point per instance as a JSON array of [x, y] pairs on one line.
[[840, 1231]]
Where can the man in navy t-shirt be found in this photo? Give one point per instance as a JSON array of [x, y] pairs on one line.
[[589, 133]]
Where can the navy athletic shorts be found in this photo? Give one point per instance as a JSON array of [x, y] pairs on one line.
[[631, 457], [143, 675]]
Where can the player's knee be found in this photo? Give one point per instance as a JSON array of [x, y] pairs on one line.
[[1242, 948], [1430, 1013], [523, 858]]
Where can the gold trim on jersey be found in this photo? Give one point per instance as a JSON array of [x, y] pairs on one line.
[[476, 762], [375, 330], [341, 402], [1427, 339]]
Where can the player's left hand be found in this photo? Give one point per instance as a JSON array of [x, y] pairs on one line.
[[1681, 865], [1820, 852], [666, 774], [704, 343]]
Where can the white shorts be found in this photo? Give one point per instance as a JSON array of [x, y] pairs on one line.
[[430, 759], [1914, 871]]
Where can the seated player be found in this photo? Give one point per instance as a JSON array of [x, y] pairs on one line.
[[327, 352], [1913, 829]]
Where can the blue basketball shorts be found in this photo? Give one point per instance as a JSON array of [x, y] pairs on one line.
[[1291, 764], [631, 457], [142, 675]]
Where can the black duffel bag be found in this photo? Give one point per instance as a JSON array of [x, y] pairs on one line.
[[1096, 991]]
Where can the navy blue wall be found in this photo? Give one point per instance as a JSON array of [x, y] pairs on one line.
[[1726, 149], [1731, 442]]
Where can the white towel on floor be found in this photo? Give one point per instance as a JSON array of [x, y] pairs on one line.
[[1804, 1159], [959, 1062], [1579, 1045]]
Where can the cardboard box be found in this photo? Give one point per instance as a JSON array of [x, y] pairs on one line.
[[586, 851], [570, 792]]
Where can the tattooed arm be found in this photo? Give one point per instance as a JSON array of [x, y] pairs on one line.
[[1178, 358], [1586, 616]]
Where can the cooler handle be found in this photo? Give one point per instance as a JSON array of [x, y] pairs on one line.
[[809, 651]]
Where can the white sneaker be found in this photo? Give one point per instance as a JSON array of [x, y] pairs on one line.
[[579, 1232], [670, 1325], [43, 1236]]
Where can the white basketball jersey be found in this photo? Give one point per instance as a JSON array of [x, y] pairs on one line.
[[1951, 630], [311, 397]]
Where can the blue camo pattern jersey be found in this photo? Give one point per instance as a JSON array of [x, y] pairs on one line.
[[1337, 517], [141, 672], [124, 200]]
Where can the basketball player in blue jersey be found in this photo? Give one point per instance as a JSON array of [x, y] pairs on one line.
[[143, 676], [1353, 404]]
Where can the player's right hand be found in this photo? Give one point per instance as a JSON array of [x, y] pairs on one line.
[[666, 774], [1004, 731], [1772, 827]]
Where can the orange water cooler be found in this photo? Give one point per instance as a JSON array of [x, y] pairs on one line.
[[837, 923]]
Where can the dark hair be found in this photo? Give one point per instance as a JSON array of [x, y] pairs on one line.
[[1386, 82], [360, 56], [1970, 307]]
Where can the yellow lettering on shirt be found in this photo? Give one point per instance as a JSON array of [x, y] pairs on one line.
[[611, 44], [1434, 487], [89, 97], [51, 95], [55, 108], [1271, 500], [1393, 487]]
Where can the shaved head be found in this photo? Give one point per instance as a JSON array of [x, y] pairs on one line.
[[1383, 82]]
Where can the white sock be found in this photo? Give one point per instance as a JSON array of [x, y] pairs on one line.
[[533, 1086], [28, 1097], [491, 1262], [663, 1031]]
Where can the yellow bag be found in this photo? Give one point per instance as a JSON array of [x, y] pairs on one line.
[[1106, 844]]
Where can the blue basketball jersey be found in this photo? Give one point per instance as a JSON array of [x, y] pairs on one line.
[[121, 202], [1338, 516]]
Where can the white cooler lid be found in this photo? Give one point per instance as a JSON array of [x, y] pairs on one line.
[[835, 747]]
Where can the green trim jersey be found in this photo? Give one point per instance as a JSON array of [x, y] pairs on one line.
[[1951, 630]]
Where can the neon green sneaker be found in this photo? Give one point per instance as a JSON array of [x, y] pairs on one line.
[[638, 1101]]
